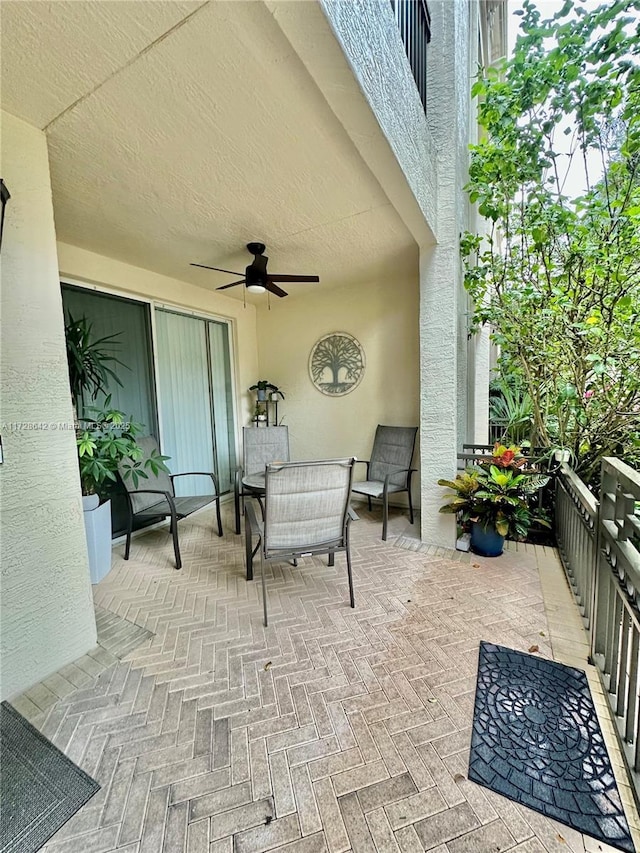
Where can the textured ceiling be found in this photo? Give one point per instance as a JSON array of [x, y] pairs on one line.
[[180, 131]]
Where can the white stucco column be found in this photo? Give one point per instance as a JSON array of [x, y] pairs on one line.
[[47, 617], [480, 387], [443, 322]]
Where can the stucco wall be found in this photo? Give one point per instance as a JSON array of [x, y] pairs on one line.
[[383, 316], [367, 31], [88, 267], [46, 605], [443, 324]]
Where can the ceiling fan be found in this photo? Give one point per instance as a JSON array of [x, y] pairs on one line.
[[256, 278]]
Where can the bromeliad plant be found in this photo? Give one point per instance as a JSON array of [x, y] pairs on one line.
[[497, 493]]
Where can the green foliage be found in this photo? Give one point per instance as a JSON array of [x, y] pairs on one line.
[[264, 385], [511, 405], [109, 438], [497, 493], [88, 360], [107, 441], [557, 275]]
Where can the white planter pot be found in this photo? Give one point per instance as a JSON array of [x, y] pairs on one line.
[[562, 455], [97, 525]]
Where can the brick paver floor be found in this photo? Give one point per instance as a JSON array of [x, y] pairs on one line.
[[333, 729]]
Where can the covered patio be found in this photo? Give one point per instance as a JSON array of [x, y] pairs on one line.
[[333, 728]]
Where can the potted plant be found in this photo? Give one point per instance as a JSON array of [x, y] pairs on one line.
[[493, 499], [259, 413], [263, 388], [104, 443], [103, 439]]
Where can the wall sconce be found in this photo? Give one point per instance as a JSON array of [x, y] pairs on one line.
[[5, 195]]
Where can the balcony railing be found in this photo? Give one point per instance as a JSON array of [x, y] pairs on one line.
[[414, 23], [599, 544]]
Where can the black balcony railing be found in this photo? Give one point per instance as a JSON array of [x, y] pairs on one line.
[[414, 23]]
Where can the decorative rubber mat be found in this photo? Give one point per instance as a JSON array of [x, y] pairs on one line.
[[536, 740], [40, 788]]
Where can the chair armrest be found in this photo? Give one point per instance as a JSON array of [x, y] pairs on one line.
[[198, 474], [363, 462]]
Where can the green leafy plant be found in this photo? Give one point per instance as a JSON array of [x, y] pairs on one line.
[[554, 270], [89, 361], [105, 436], [497, 494], [510, 405], [109, 441], [259, 412], [264, 385]]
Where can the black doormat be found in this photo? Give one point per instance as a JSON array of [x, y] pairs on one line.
[[536, 740], [40, 788]]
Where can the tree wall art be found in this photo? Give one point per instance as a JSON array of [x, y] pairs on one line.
[[336, 364]]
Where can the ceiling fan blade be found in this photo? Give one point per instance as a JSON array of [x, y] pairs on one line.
[[273, 288], [233, 284], [294, 278], [217, 269]]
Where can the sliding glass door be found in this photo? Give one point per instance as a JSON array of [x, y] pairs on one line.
[[195, 400], [135, 394], [190, 410]]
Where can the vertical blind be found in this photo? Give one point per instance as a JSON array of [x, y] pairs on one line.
[[194, 389]]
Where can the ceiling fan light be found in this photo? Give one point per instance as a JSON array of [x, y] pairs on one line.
[[256, 288]]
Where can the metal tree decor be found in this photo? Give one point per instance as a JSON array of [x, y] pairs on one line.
[[336, 364]]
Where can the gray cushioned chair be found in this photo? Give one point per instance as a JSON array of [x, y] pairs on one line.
[[260, 446], [389, 469], [306, 512], [154, 497]]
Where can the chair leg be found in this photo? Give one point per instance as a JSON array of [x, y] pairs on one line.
[[351, 598], [236, 500], [264, 590], [176, 546], [410, 506], [369, 502], [332, 558], [127, 547], [218, 517], [248, 551], [385, 517]]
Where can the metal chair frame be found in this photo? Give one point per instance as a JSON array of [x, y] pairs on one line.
[[243, 489], [386, 486], [174, 509], [255, 526]]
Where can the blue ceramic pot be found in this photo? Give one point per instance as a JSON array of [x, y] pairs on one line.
[[486, 540]]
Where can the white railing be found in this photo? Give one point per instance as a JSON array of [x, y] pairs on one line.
[[599, 543], [576, 529]]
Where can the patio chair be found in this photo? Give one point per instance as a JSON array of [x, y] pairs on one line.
[[260, 446], [155, 498], [306, 512], [389, 469]]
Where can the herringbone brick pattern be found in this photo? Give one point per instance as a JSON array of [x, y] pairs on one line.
[[332, 729]]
